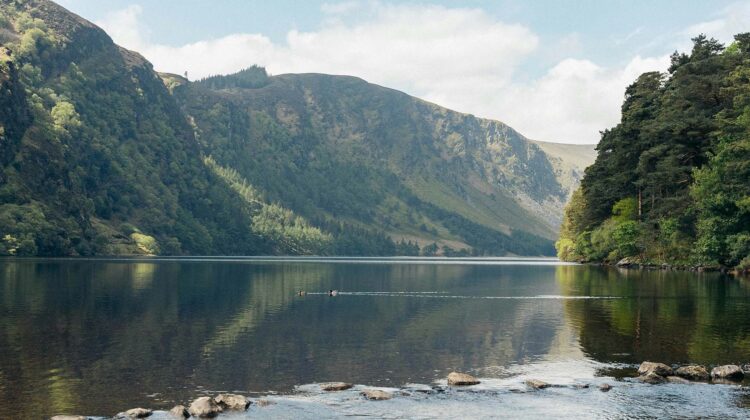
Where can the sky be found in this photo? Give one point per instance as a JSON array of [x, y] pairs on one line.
[[554, 70]]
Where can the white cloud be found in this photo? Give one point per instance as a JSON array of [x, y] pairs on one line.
[[460, 58], [574, 101], [730, 21], [125, 28]]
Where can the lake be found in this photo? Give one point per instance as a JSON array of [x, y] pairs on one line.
[[99, 336]]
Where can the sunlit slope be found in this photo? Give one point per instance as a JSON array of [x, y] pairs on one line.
[[339, 147]]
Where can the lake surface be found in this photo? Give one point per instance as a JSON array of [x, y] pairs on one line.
[[97, 337]]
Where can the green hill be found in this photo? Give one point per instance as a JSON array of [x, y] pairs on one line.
[[101, 155]]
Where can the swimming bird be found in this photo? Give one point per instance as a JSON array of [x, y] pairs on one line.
[[333, 292], [301, 293]]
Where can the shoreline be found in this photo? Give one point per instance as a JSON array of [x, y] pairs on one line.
[[627, 264], [457, 388]]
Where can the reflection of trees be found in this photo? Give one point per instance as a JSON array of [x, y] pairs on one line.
[[670, 316], [94, 336]]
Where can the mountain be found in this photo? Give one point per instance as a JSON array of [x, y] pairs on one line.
[[97, 158], [337, 147], [671, 182], [102, 155]]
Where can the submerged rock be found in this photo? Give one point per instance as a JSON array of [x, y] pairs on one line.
[[263, 403], [425, 389], [135, 413], [605, 387], [652, 367], [537, 384], [376, 395], [731, 372], [180, 412], [68, 417], [457, 378], [205, 407], [232, 402], [581, 386], [335, 386], [652, 378], [692, 372], [677, 380]]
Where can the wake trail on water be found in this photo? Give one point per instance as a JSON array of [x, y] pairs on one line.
[[444, 295]]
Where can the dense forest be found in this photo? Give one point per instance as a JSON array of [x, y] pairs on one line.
[[101, 155], [671, 183]]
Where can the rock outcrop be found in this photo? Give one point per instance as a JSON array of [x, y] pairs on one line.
[[180, 412], [376, 395], [335, 386], [692, 372], [537, 384], [461, 379], [652, 378], [135, 413], [232, 402], [652, 367], [204, 407], [730, 372]]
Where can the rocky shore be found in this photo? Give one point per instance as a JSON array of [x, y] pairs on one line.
[[653, 373], [634, 263]]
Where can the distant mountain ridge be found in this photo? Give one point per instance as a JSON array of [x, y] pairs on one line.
[[102, 155]]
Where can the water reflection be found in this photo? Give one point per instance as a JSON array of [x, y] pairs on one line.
[[96, 336], [672, 316]]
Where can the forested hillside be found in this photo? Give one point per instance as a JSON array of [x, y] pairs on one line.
[[96, 157], [101, 155], [671, 182]]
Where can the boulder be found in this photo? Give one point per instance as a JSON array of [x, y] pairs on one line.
[[135, 413], [204, 407], [605, 387], [677, 380], [457, 378], [180, 412], [376, 395], [731, 372], [692, 372], [652, 378], [537, 384], [232, 402], [652, 367], [68, 417], [625, 262], [335, 386]]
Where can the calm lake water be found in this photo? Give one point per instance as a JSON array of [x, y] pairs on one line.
[[96, 337]]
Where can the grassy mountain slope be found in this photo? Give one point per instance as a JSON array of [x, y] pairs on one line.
[[337, 147], [101, 155], [570, 161]]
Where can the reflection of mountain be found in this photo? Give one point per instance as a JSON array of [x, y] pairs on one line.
[[97, 337], [675, 317]]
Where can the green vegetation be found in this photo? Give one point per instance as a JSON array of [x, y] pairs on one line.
[[100, 155], [671, 183], [91, 140], [358, 160]]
